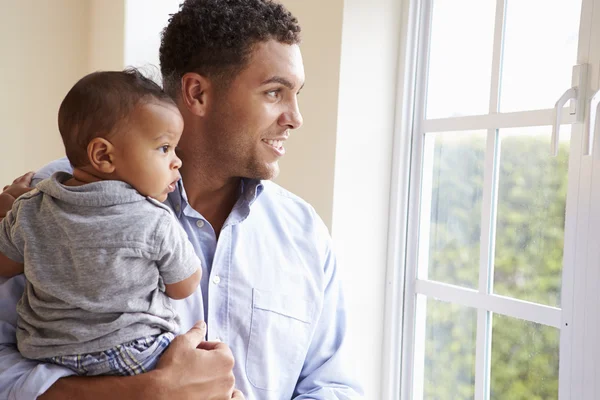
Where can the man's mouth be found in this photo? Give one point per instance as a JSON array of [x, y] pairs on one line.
[[276, 145]]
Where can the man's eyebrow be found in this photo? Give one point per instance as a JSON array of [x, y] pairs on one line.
[[281, 80]]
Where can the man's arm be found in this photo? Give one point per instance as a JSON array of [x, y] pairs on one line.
[[20, 378], [325, 374], [190, 368]]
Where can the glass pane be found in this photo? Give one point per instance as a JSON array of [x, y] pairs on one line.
[[460, 58], [540, 49], [456, 197], [524, 361], [449, 352], [531, 215]]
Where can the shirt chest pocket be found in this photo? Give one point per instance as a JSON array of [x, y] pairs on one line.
[[279, 337]]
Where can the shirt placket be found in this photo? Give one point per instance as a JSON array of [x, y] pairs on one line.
[[218, 288]]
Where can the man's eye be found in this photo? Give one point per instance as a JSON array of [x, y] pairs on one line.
[[273, 93], [165, 148]]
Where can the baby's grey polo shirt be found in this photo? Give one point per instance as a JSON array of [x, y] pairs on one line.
[[96, 260]]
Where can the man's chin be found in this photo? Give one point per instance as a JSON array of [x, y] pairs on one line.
[[264, 173]]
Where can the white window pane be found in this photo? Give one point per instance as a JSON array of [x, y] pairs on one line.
[[456, 198], [449, 352], [524, 364], [460, 58], [540, 49], [532, 191]]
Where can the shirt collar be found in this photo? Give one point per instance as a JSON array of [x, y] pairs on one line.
[[95, 194], [250, 189]]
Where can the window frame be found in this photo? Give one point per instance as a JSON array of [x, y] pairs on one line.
[[402, 285]]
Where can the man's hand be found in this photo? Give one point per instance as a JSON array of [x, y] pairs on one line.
[[194, 369], [11, 192]]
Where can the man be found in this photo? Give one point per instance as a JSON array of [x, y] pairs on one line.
[[270, 290]]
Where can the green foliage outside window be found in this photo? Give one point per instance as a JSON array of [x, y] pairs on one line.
[[527, 265]]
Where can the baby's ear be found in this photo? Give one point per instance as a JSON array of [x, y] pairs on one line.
[[101, 154]]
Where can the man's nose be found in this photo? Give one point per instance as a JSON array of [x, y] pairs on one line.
[[292, 118]]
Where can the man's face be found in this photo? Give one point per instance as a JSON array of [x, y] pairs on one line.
[[250, 121]]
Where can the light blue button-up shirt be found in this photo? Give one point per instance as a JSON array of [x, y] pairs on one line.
[[270, 289]]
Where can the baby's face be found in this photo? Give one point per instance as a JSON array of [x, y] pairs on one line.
[[145, 154]]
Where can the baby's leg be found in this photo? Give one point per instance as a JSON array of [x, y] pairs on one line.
[[132, 358]]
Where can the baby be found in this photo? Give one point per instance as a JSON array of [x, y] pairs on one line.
[[102, 255]]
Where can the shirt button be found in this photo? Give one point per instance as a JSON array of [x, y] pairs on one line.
[[216, 280], [199, 223], [177, 208]]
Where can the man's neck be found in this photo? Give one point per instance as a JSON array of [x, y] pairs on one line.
[[210, 195]]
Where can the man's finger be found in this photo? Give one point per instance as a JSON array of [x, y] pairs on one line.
[[24, 179], [16, 191], [197, 334], [212, 346], [237, 395]]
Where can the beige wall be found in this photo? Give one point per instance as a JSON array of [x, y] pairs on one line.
[[106, 50], [307, 168], [44, 47]]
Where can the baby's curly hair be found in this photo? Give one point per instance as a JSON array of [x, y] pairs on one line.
[[99, 104], [215, 37]]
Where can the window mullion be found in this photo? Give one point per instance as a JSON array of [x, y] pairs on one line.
[[486, 264], [488, 218]]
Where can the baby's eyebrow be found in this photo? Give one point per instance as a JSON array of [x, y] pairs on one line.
[[163, 136]]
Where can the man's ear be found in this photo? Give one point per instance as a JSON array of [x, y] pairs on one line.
[[195, 90], [101, 154]]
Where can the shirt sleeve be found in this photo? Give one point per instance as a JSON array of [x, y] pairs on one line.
[[62, 164], [177, 259], [10, 245], [325, 374], [20, 378]]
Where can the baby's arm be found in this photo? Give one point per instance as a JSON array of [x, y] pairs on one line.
[[184, 288], [9, 268], [178, 263]]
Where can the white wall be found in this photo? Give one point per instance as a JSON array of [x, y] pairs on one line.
[[367, 97], [144, 21], [44, 51]]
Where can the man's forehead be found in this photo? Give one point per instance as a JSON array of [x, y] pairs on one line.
[[275, 61]]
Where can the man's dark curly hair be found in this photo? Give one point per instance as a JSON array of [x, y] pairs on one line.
[[215, 37]]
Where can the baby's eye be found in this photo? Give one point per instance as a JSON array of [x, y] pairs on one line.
[[165, 148]]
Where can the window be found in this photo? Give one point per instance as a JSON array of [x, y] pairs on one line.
[[500, 269]]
